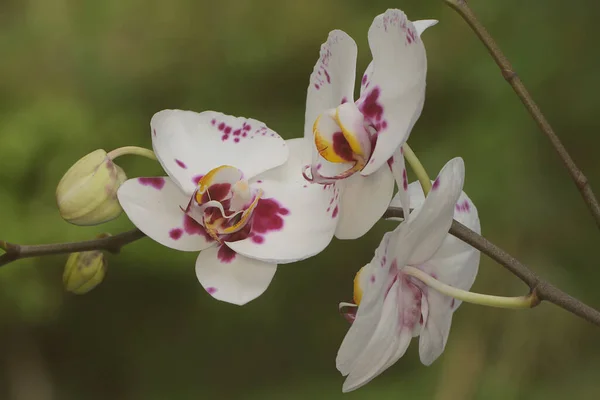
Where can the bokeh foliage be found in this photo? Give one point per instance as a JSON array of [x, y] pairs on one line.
[[81, 75]]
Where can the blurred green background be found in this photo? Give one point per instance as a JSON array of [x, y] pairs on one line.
[[81, 75]]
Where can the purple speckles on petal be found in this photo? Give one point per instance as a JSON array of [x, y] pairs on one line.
[[258, 239], [211, 290], [335, 212], [225, 254], [268, 216], [213, 122], [364, 79], [463, 207], [154, 132], [175, 234], [404, 180], [327, 75], [181, 164], [372, 278], [191, 227], [227, 130], [157, 183], [236, 140], [436, 184], [317, 86], [370, 107], [196, 179], [221, 126]]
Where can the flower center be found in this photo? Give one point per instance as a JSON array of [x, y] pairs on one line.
[[341, 138], [223, 202]]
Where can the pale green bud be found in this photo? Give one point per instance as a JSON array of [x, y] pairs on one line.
[[87, 193], [84, 271]]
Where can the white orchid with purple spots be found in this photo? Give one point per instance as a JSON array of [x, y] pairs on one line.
[[355, 141], [235, 192], [394, 307]]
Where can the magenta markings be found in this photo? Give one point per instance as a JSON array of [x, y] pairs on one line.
[[157, 183], [436, 183], [211, 290], [335, 212], [181, 164], [225, 254], [196, 179], [175, 234]]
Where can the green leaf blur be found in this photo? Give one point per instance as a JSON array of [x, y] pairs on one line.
[[76, 76]]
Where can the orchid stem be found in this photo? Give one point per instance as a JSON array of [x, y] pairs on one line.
[[528, 301], [417, 167], [133, 150]]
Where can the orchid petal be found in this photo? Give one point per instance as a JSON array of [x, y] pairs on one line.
[[155, 206], [383, 345], [434, 335], [364, 200], [231, 277], [398, 168], [291, 222], [428, 225], [396, 93], [189, 145], [294, 219], [332, 80], [422, 24], [369, 311]]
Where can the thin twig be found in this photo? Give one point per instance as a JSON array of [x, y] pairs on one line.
[[509, 74], [111, 244], [539, 288], [542, 289]]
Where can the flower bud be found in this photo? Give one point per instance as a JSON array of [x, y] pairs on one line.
[[87, 193], [84, 271]]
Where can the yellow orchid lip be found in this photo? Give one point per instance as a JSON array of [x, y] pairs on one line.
[[209, 179], [341, 138], [245, 215], [224, 191], [350, 136], [358, 291]]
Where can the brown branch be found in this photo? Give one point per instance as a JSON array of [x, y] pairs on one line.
[[509, 74], [542, 289], [111, 244]]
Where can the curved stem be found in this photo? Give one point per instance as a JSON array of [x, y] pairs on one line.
[[541, 288], [133, 150], [528, 301], [417, 167], [509, 74]]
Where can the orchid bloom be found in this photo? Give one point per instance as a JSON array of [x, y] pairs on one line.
[[360, 142], [235, 192], [393, 307]]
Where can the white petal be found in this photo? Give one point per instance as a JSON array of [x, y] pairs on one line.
[[401, 177], [231, 277], [395, 95], [291, 222], [295, 219], [364, 200], [155, 205], [332, 80], [371, 305], [428, 226], [383, 345], [423, 24], [435, 333], [189, 145], [420, 26]]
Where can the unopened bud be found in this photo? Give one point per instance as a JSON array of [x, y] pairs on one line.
[[87, 193], [84, 271]]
